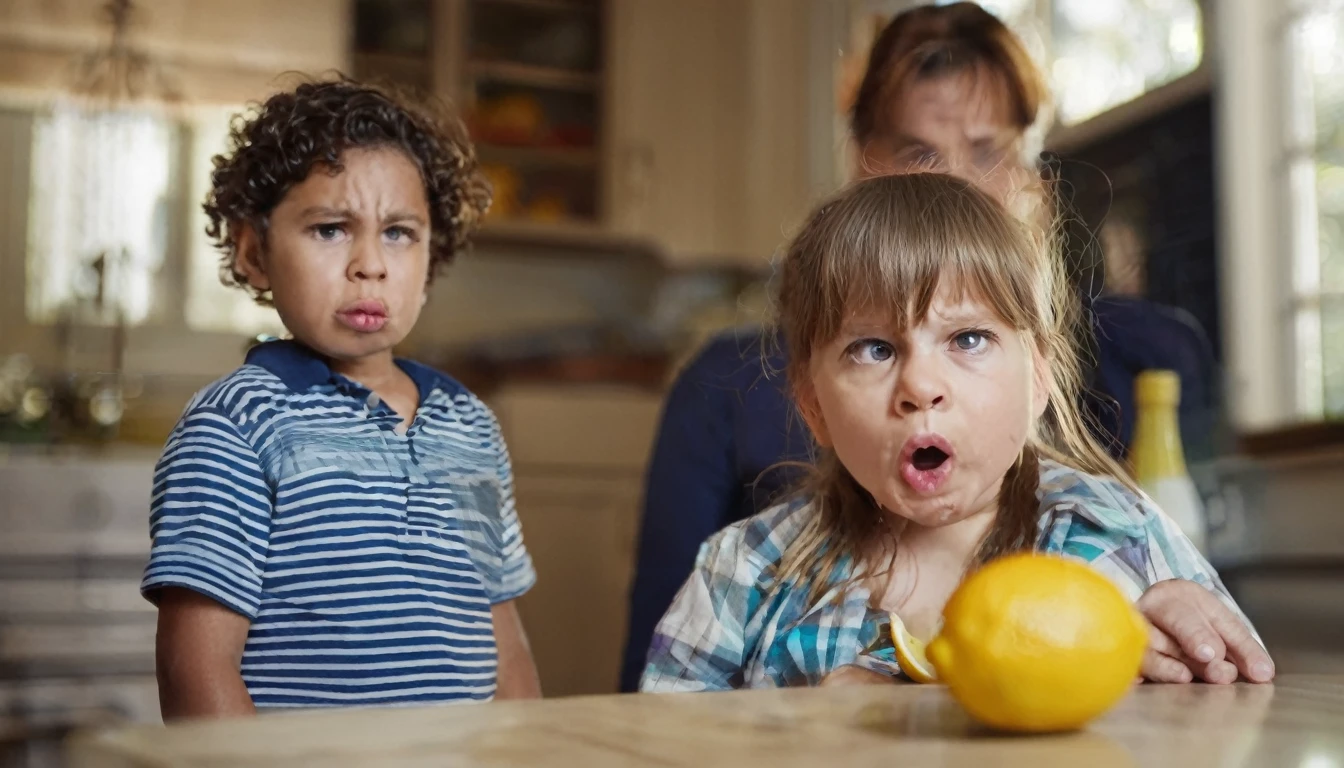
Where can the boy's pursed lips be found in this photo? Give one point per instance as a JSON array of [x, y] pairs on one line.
[[364, 315]]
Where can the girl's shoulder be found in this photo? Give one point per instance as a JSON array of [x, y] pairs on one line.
[[1079, 508], [754, 546]]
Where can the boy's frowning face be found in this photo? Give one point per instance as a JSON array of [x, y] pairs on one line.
[[346, 256]]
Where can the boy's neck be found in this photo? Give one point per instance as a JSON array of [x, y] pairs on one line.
[[373, 371]]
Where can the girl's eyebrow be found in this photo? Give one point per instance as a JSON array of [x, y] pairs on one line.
[[965, 314]]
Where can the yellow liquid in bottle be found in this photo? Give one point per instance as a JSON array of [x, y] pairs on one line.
[[1156, 455]]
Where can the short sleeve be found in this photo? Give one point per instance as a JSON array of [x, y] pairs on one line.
[[509, 572], [700, 645], [210, 514]]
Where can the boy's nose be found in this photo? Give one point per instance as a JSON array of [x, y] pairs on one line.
[[367, 263]]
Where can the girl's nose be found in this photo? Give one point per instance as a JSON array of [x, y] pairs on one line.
[[921, 386]]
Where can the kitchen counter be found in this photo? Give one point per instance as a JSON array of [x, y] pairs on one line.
[[1299, 721]]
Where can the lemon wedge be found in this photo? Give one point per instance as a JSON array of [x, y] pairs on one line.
[[910, 653]]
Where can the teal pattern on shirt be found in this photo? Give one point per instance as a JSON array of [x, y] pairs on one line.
[[731, 627]]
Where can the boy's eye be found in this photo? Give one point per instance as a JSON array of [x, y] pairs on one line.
[[328, 231], [870, 351], [971, 341], [398, 234]]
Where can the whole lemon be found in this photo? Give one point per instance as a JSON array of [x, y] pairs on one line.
[[1038, 643]]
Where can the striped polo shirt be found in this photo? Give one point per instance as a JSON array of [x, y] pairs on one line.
[[366, 558]]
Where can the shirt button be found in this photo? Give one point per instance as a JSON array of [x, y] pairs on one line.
[[373, 400]]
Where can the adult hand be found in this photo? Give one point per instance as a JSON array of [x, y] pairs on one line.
[[1194, 635]]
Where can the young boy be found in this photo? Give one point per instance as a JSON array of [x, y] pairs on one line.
[[332, 526]]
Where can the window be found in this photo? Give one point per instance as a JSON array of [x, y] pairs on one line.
[[1314, 44], [1103, 53], [210, 306], [98, 213], [1107, 52], [119, 178]]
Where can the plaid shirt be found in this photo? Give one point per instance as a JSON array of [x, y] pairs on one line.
[[730, 627]]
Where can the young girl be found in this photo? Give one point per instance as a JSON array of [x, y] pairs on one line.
[[930, 356]]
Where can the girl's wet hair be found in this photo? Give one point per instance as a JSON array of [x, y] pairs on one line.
[[889, 243]]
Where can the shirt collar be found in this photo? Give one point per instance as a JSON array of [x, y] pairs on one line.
[[301, 369]]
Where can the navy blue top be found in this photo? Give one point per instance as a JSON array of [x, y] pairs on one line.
[[727, 424], [729, 418]]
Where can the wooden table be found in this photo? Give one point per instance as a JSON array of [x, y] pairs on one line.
[[1299, 721]]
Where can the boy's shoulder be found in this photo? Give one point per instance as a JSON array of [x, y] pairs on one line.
[[239, 393]]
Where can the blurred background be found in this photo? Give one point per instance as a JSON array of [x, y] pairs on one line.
[[649, 157]]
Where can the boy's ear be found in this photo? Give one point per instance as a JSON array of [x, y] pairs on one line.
[[248, 262], [810, 409]]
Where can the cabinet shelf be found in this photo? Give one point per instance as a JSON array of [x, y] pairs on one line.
[[546, 5], [536, 77], [537, 157], [394, 67]]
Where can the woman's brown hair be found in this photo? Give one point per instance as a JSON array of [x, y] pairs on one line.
[[889, 242], [933, 41]]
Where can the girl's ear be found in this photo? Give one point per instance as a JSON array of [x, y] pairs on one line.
[[248, 260], [810, 409], [1043, 377]]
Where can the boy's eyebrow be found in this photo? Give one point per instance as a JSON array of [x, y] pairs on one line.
[[346, 213], [404, 216], [322, 210]]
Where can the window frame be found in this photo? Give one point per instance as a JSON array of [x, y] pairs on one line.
[[1270, 402]]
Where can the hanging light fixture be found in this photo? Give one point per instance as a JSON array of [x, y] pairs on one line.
[[103, 156]]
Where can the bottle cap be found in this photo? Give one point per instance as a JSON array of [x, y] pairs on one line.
[[1157, 387]]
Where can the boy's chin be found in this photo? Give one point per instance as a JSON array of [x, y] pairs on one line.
[[349, 346]]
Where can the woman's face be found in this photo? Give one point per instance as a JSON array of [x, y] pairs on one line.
[[959, 123]]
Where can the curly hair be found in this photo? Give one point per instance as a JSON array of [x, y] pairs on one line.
[[279, 142]]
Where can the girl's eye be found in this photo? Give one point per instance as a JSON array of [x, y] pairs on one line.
[[328, 231], [870, 351], [972, 341]]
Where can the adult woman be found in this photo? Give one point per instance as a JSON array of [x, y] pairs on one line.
[[947, 88]]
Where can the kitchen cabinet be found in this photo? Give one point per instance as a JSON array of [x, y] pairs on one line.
[[528, 76], [76, 638], [686, 126], [581, 530], [579, 455], [710, 125]]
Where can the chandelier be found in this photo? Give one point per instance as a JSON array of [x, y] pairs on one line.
[[100, 217]]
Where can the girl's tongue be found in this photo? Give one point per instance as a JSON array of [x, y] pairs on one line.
[[926, 463]]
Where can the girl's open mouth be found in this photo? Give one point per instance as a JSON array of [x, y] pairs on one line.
[[926, 462]]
